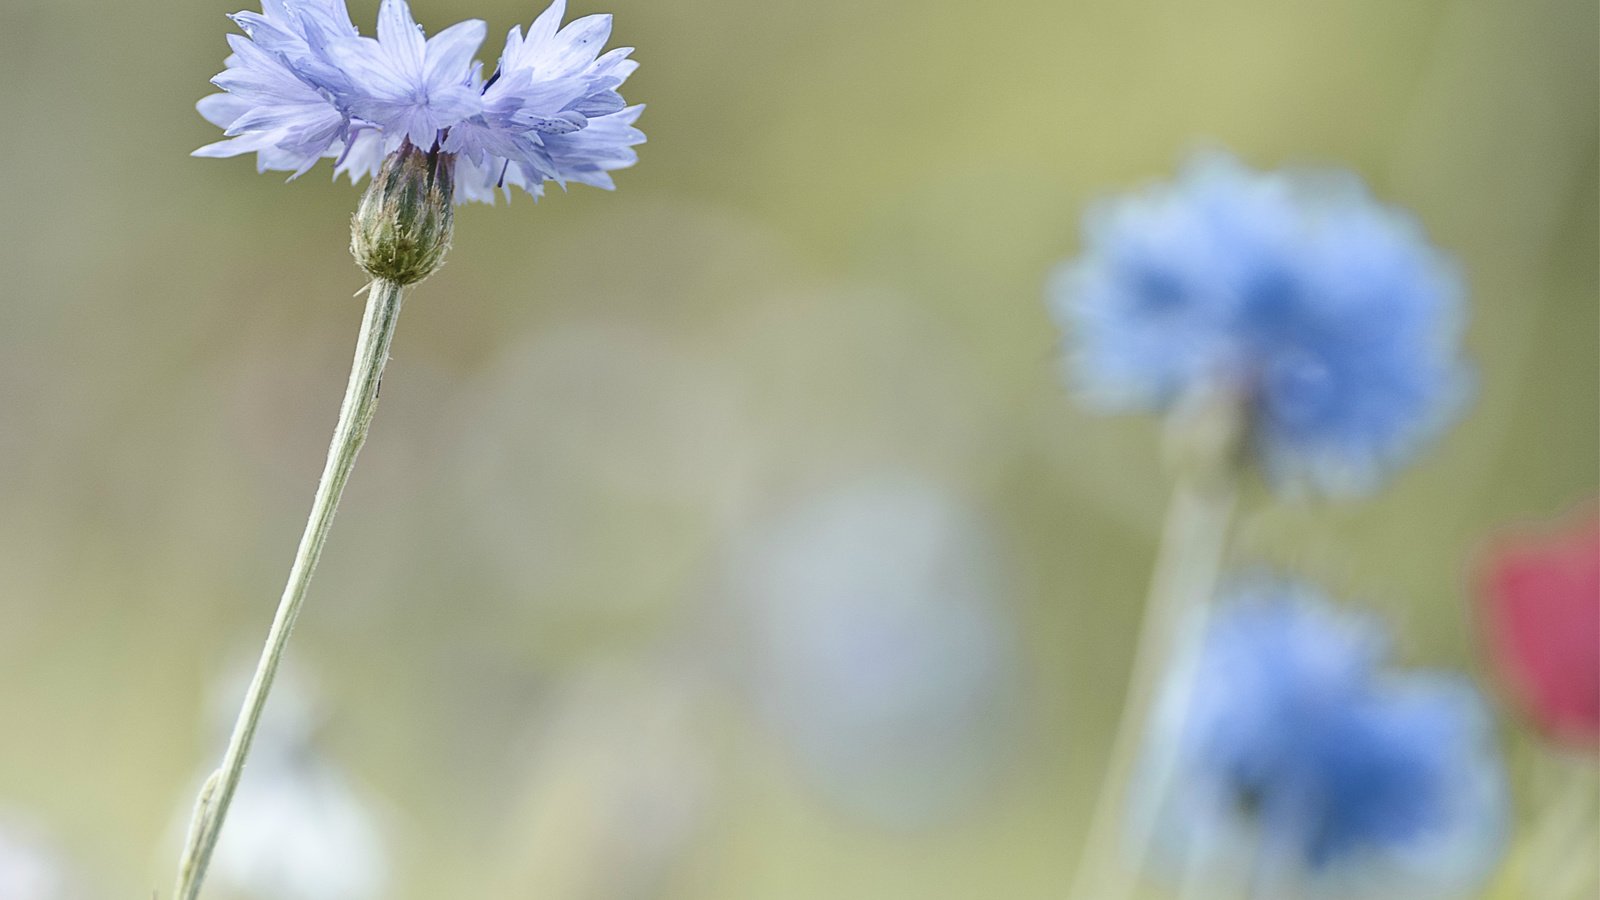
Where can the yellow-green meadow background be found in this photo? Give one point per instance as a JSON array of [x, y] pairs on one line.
[[530, 638]]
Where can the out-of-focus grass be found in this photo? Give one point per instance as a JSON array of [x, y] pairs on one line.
[[828, 262]]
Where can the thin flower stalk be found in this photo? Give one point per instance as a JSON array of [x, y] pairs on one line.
[[1205, 447], [355, 418], [1557, 860]]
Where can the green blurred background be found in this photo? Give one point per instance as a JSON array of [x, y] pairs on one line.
[[530, 658]]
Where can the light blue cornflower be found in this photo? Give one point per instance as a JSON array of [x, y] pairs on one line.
[[1290, 739], [417, 115], [303, 85], [1327, 313]]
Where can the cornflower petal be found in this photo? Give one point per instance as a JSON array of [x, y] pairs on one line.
[[449, 54], [400, 38]]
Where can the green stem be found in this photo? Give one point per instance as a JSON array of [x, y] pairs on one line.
[[1193, 543], [355, 415], [1557, 865]]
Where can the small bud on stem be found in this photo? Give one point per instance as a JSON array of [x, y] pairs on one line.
[[403, 227]]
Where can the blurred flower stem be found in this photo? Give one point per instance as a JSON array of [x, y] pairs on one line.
[[355, 415], [1556, 861], [1203, 444]]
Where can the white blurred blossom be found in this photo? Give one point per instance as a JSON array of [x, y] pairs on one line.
[[875, 645], [30, 868], [299, 828]]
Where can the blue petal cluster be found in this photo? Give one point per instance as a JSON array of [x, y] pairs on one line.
[[1328, 313], [1288, 729], [303, 85]]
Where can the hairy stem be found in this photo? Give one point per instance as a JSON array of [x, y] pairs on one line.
[[355, 415]]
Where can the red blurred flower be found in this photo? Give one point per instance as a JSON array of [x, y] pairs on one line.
[[1540, 596]]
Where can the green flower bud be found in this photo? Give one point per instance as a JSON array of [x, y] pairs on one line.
[[407, 216]]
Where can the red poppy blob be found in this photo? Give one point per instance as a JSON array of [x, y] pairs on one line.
[[1540, 597]]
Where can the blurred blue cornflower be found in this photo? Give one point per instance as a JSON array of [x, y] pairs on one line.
[[303, 85], [1293, 756], [1328, 314]]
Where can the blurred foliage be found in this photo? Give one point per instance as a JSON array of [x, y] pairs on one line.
[[828, 263]]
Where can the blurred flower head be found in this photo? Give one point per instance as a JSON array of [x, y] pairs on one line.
[[876, 646], [1540, 602], [299, 828], [302, 85], [1328, 314], [1294, 756], [31, 869]]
